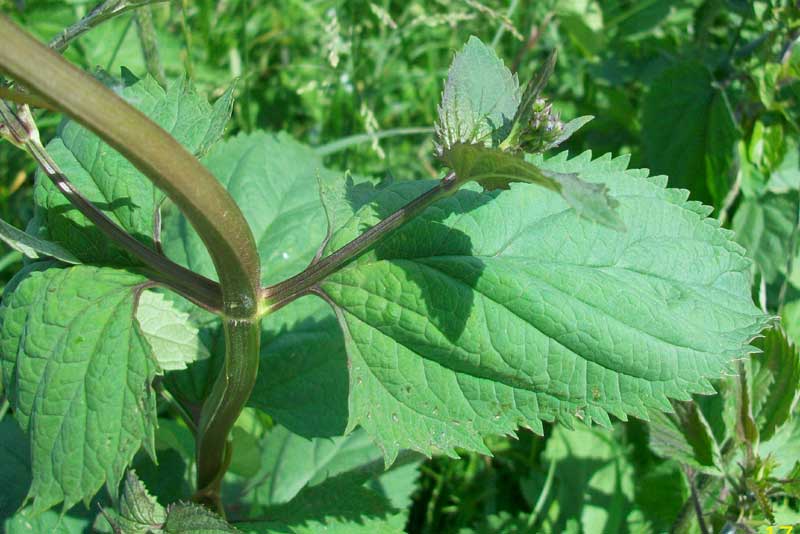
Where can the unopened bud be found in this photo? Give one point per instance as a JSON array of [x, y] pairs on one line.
[[18, 126]]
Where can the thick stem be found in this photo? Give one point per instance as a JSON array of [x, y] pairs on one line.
[[228, 396], [203, 200], [280, 294]]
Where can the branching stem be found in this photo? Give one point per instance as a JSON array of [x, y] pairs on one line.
[[276, 296]]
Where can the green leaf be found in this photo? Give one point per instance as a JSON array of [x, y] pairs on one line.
[[686, 436], [495, 310], [339, 505], [169, 331], [594, 482], [291, 462], [112, 183], [480, 98], [49, 522], [494, 169], [32, 246], [687, 131], [306, 385], [77, 370], [273, 180], [776, 381], [185, 518], [15, 473], [139, 511], [764, 227]]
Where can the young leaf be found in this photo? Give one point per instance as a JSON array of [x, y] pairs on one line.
[[77, 370], [31, 246], [169, 330], [494, 169], [185, 518], [480, 99], [112, 183], [139, 512], [495, 310], [764, 227], [686, 436], [776, 381]]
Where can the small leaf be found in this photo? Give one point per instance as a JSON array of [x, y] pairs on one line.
[[686, 436], [220, 116], [185, 518], [169, 330], [139, 512], [480, 99], [77, 370], [32, 246], [764, 227], [494, 169], [776, 381]]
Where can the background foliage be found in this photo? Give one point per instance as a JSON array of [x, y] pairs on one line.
[[703, 91]]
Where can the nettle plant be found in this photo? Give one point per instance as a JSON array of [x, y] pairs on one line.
[[423, 316]]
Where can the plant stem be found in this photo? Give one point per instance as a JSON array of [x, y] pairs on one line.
[[189, 284], [200, 196], [202, 199], [98, 15], [147, 36], [346, 142], [23, 98], [228, 395], [543, 495], [281, 294]]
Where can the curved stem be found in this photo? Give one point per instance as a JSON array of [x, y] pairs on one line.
[[202, 199], [280, 294], [206, 204], [228, 395]]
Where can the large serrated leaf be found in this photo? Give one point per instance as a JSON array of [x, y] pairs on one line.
[[111, 182], [495, 310], [480, 98], [77, 371]]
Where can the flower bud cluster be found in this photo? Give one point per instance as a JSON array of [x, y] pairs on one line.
[[544, 128]]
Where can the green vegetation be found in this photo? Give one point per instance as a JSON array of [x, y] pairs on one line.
[[398, 267]]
